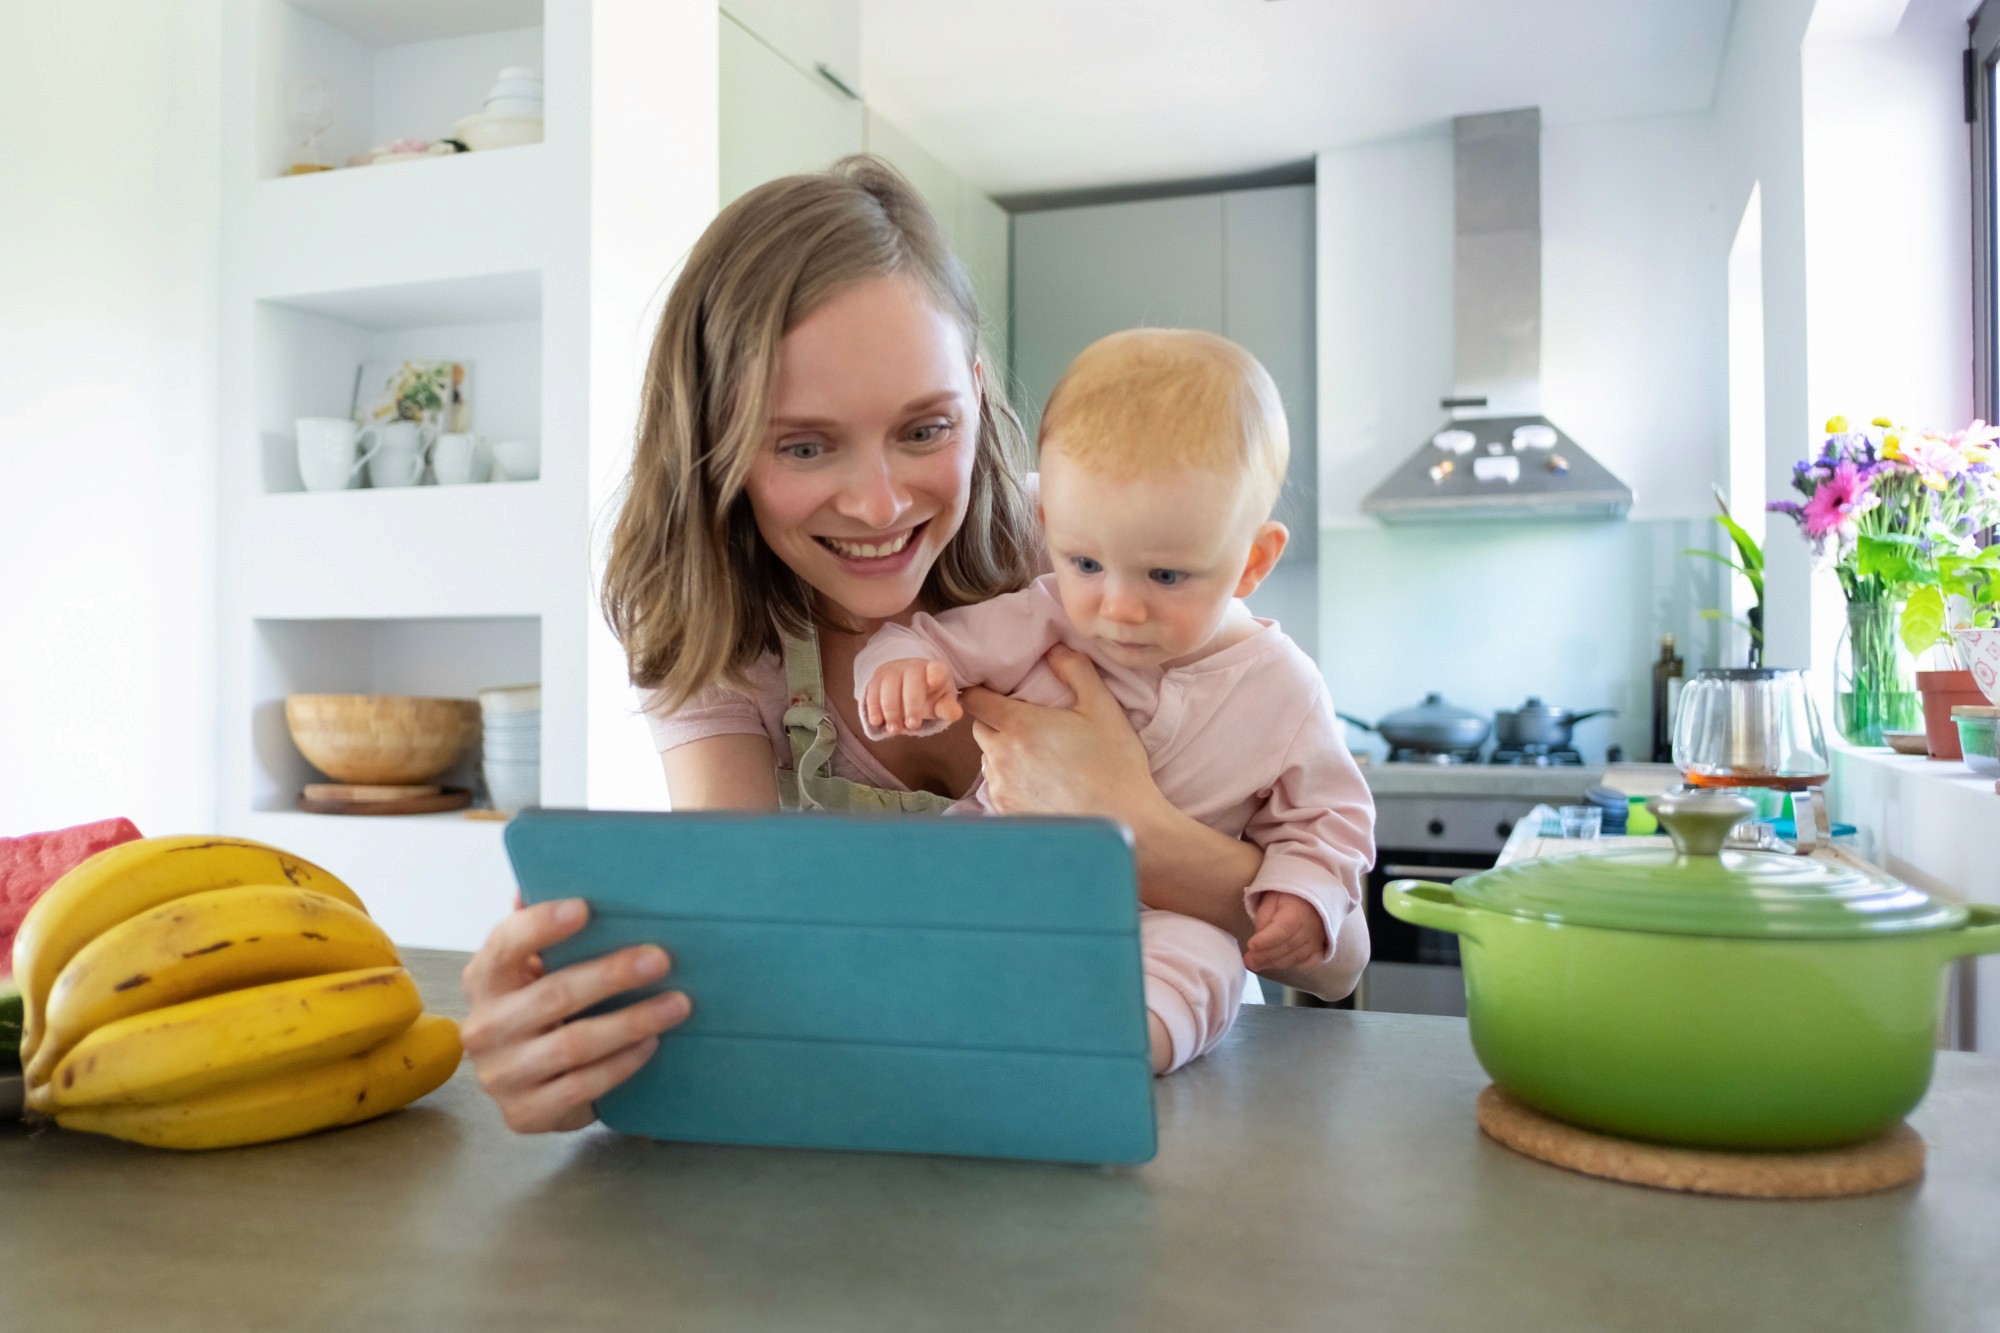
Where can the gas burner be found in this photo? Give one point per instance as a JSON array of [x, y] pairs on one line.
[[1398, 755], [1536, 756]]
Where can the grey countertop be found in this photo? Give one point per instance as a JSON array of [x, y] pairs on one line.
[[1320, 1170]]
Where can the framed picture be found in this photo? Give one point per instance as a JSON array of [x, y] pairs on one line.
[[430, 393]]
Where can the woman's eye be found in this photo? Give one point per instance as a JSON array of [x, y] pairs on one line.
[[802, 450], [931, 432], [1167, 578], [1085, 565]]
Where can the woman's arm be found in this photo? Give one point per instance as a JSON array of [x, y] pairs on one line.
[[1085, 760], [730, 772]]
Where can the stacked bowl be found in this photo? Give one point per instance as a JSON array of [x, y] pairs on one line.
[[512, 720], [513, 114]]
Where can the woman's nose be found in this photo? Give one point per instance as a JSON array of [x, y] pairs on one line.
[[873, 496]]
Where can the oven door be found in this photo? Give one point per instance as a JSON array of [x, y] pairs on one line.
[[1414, 970]]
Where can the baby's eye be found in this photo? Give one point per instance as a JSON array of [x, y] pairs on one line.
[[805, 451], [1085, 565], [1167, 578]]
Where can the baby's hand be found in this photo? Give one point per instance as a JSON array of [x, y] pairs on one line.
[[1289, 934], [908, 692]]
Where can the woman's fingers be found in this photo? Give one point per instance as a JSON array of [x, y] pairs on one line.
[[989, 709], [565, 1103], [511, 1018], [521, 1072], [1080, 674], [503, 962]]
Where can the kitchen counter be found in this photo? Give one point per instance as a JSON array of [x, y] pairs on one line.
[[1523, 783], [1321, 1169]]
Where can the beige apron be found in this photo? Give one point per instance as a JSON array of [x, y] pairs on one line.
[[809, 784]]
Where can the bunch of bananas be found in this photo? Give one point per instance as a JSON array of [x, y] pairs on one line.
[[205, 992]]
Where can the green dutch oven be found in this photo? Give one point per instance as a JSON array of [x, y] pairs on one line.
[[1700, 996]]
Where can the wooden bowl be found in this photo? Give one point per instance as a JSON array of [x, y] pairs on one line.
[[381, 738], [1907, 742]]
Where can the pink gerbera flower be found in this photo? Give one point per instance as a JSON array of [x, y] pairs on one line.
[[1838, 503]]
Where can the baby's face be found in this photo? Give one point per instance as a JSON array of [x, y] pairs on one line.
[[1147, 567]]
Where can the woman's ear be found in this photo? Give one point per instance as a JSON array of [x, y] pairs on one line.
[[1265, 548], [979, 379]]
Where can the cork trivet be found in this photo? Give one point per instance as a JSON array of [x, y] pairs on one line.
[[1897, 1158], [354, 791]]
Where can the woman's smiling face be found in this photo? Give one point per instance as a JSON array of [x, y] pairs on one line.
[[865, 468]]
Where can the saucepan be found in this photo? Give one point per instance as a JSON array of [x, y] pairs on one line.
[[1535, 723], [1701, 996], [1433, 726]]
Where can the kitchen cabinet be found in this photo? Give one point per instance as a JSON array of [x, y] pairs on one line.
[[1238, 263], [807, 34], [776, 119]]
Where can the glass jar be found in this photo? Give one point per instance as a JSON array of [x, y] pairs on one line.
[[1875, 679]]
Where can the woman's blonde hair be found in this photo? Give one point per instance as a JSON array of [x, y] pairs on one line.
[[690, 588]]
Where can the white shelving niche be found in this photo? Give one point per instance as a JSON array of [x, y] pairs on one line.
[[534, 267]]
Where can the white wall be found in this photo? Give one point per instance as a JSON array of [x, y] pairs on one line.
[[108, 224]]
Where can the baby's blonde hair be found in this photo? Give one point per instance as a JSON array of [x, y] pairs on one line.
[[1147, 401]]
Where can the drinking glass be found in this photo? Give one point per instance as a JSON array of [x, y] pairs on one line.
[[1581, 821]]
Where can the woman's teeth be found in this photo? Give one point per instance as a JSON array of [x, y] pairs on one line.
[[864, 551]]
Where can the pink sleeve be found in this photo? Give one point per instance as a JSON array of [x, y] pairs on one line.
[[994, 643], [1317, 826], [716, 711], [1194, 981]]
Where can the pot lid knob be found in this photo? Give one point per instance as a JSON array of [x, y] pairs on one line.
[[1700, 822]]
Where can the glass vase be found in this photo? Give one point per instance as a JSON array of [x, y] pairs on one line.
[[1875, 681]]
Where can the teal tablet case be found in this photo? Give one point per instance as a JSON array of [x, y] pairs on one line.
[[961, 986]]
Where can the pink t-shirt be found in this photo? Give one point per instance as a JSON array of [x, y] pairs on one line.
[[1244, 740]]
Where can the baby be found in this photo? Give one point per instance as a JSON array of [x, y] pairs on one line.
[[1162, 453]]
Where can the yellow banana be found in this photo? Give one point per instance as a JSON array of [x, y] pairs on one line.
[[340, 1092], [204, 1044], [203, 944], [134, 877]]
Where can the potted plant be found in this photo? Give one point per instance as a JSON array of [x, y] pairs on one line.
[[1897, 513], [1749, 562]]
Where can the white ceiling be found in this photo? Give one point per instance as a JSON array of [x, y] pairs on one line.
[[1031, 95]]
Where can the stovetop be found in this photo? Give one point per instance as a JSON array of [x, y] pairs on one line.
[[1525, 756]]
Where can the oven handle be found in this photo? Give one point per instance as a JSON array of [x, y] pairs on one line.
[[1430, 872]]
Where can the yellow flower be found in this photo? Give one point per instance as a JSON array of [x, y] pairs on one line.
[[1892, 444], [1882, 421], [1836, 425]]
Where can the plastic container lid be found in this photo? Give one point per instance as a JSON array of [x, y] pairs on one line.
[[1700, 889]]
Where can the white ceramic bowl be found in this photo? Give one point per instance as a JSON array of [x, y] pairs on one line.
[[513, 724], [516, 88], [485, 132], [514, 106], [1979, 649], [516, 460], [508, 699], [513, 786]]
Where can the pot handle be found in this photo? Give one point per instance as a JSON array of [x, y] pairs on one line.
[[1979, 935], [1354, 721], [1422, 903], [1589, 713]]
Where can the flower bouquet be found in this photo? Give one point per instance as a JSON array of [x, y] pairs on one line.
[[1898, 512]]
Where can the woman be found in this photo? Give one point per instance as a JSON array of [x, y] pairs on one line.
[[819, 452]]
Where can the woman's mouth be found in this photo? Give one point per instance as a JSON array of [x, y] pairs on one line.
[[882, 556]]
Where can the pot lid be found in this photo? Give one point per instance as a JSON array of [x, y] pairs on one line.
[[1536, 708], [1432, 712], [1699, 888]]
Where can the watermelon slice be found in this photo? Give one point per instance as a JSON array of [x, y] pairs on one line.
[[28, 865]]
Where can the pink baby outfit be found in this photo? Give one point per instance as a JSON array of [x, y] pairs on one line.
[[1244, 740]]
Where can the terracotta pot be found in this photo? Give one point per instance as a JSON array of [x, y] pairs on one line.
[[1942, 690]]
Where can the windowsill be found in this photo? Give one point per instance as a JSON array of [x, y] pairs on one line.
[[1930, 821]]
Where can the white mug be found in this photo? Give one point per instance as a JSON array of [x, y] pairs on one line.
[[516, 460], [458, 459], [327, 452], [399, 459]]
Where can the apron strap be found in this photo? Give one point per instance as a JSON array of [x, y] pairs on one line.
[[810, 783]]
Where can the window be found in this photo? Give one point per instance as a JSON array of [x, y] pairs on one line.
[[1980, 110]]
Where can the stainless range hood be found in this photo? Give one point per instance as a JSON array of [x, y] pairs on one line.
[[1498, 457]]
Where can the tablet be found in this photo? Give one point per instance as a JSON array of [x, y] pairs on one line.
[[960, 986]]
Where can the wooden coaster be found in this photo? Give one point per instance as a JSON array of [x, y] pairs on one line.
[[356, 791], [1897, 1158], [449, 798]]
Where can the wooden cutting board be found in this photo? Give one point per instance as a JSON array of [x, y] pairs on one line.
[[449, 798], [356, 791]]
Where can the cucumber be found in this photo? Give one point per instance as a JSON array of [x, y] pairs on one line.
[[10, 1024]]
